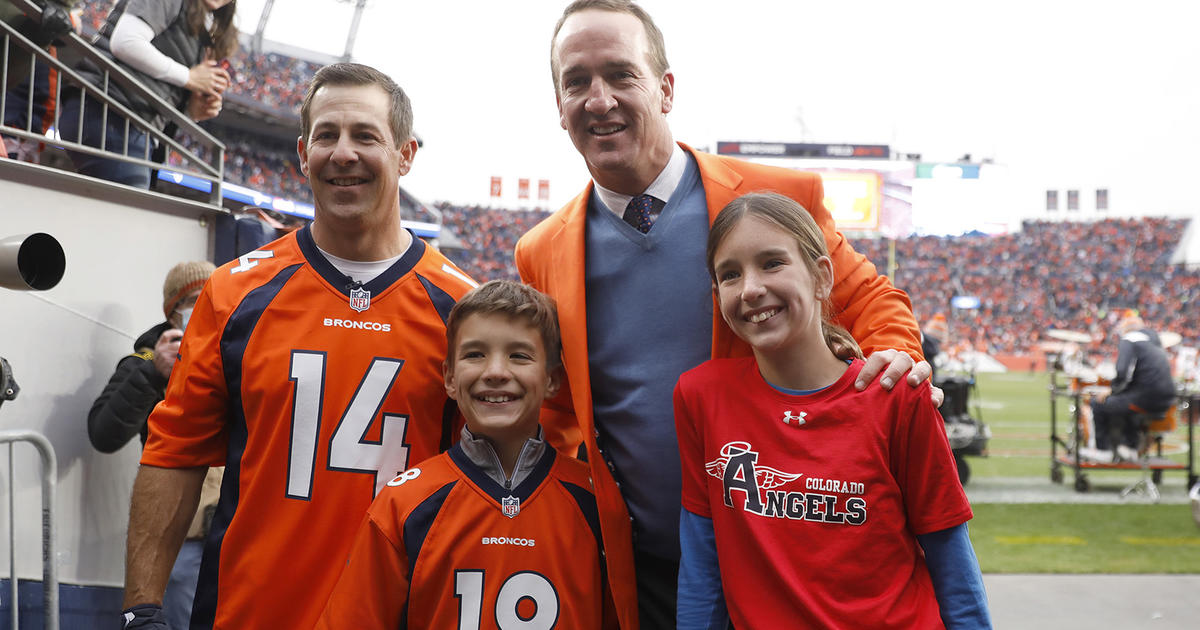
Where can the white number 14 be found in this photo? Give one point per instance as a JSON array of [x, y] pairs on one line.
[[349, 449]]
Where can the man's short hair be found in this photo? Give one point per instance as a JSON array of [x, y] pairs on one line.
[[656, 54], [513, 300], [339, 74]]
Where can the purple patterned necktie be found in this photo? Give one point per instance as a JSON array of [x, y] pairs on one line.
[[637, 213]]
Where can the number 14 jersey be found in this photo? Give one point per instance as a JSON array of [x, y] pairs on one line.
[[313, 392]]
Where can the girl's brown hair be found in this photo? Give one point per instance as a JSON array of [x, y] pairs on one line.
[[223, 34], [792, 218]]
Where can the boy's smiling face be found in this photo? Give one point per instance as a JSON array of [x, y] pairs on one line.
[[499, 374]]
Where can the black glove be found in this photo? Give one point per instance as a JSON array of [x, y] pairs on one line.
[[145, 617], [56, 22]]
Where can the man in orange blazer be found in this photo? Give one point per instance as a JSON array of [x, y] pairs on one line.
[[625, 262]]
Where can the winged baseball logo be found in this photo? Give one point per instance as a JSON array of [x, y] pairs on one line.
[[765, 477]]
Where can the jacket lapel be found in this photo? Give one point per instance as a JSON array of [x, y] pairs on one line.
[[567, 283]]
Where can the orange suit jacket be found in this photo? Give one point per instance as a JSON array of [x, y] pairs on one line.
[[550, 257]]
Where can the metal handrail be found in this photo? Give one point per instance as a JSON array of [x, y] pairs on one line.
[[49, 526], [211, 170]]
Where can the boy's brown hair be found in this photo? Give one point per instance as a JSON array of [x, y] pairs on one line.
[[515, 300]]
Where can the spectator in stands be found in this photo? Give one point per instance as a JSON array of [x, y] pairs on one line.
[[19, 112], [172, 47], [54, 23], [121, 410], [1143, 384]]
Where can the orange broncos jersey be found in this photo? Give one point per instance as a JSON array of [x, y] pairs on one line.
[[448, 547], [313, 393]]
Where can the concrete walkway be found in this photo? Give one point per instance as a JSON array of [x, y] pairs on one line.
[[1087, 602], [1094, 602]]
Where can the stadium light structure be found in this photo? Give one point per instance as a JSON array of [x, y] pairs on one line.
[[351, 35]]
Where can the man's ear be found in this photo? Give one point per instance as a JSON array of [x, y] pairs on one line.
[[667, 84], [408, 151], [302, 151]]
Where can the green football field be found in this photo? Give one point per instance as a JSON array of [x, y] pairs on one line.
[[1056, 534]]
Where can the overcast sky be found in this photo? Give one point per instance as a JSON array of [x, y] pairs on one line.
[[1061, 93]]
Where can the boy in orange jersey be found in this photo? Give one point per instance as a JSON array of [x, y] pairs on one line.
[[500, 531]]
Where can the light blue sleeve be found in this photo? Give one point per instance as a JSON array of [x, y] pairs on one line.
[[957, 581], [701, 604]]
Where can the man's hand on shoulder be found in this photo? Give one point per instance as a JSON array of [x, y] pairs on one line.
[[893, 364], [144, 617]]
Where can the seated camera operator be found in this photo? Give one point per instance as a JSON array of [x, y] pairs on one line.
[[1143, 383], [120, 412]]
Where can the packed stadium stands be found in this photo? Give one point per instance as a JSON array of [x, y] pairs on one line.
[[1049, 275], [1062, 275]]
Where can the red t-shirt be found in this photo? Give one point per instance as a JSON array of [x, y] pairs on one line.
[[448, 547], [816, 500], [312, 406]]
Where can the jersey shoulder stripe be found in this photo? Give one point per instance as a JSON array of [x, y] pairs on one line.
[[420, 521], [587, 506]]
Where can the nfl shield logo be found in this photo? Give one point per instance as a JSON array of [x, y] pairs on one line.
[[360, 299], [511, 506]]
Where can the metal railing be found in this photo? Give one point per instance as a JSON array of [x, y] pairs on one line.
[[49, 527], [205, 162]]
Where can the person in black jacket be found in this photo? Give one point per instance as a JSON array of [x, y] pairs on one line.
[[140, 380], [1143, 383], [120, 413]]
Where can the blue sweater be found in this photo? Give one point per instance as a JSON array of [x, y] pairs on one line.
[[647, 291]]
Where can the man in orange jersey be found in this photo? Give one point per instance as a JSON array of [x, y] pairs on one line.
[[312, 369], [625, 261]]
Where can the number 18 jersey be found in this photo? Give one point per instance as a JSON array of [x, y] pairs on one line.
[[313, 392]]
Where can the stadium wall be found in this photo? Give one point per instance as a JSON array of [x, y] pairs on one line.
[[64, 343]]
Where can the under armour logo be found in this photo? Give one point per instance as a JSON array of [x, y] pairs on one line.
[[788, 418], [248, 260]]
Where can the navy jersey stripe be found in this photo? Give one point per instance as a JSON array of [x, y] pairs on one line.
[[587, 504], [341, 282], [442, 301], [234, 339], [536, 476], [407, 263], [418, 523]]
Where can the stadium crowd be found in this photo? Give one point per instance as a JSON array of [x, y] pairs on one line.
[[1066, 275], [489, 236]]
